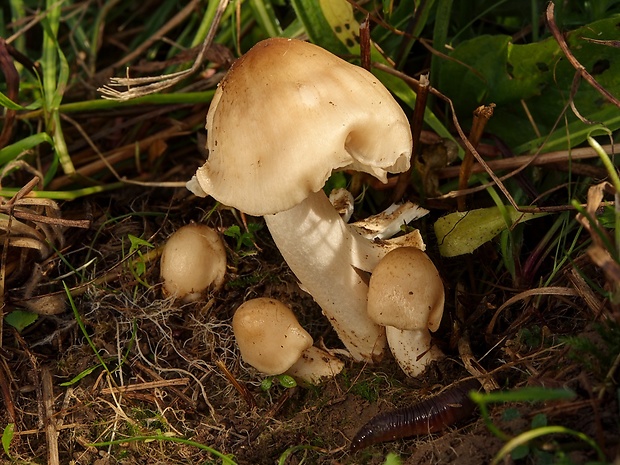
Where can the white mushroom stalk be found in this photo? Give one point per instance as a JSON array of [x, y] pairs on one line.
[[287, 114], [324, 253]]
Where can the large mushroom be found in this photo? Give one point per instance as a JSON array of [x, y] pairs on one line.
[[406, 295], [286, 115]]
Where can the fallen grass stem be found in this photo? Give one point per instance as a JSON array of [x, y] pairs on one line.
[[80, 323], [531, 160], [157, 83], [62, 195], [189, 98], [146, 386], [225, 458], [527, 436]]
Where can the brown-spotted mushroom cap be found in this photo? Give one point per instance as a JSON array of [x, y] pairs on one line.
[[286, 115], [406, 295]]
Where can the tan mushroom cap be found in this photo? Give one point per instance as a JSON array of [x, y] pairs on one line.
[[269, 336], [286, 115], [193, 261], [406, 291]]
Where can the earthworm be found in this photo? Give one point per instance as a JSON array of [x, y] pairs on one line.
[[427, 416]]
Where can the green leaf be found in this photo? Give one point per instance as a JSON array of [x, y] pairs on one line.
[[137, 242], [8, 103], [511, 414], [83, 374], [392, 459], [7, 438], [287, 381], [10, 152], [318, 27], [537, 76], [526, 394], [539, 420], [520, 452], [233, 231], [20, 319], [460, 233], [266, 384]]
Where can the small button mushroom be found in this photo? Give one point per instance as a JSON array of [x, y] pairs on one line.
[[271, 340], [192, 262], [406, 295], [286, 115]]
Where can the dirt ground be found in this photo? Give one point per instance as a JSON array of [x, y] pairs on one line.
[[170, 366]]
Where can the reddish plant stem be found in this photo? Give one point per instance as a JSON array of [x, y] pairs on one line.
[[482, 115]]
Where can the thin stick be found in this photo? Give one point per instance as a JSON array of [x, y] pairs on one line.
[[5, 387], [416, 84], [571, 58], [241, 389], [51, 433], [171, 24], [533, 160], [128, 151], [553, 290], [150, 85], [145, 386], [482, 115], [365, 42], [417, 121]]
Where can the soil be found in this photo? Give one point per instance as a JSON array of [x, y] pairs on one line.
[[173, 369]]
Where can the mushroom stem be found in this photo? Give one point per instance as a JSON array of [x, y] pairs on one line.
[[314, 366], [412, 349], [324, 253]]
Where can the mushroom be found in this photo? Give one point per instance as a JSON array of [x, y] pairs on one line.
[[406, 295], [193, 261], [271, 340], [286, 115]]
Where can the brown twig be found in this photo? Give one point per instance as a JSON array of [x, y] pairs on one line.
[[241, 389], [531, 160], [365, 43], [415, 85], [11, 77], [417, 121], [127, 151], [526, 295], [155, 376], [586, 292], [164, 383], [51, 433], [159, 34], [5, 387], [467, 356], [482, 115], [149, 85], [571, 58]]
